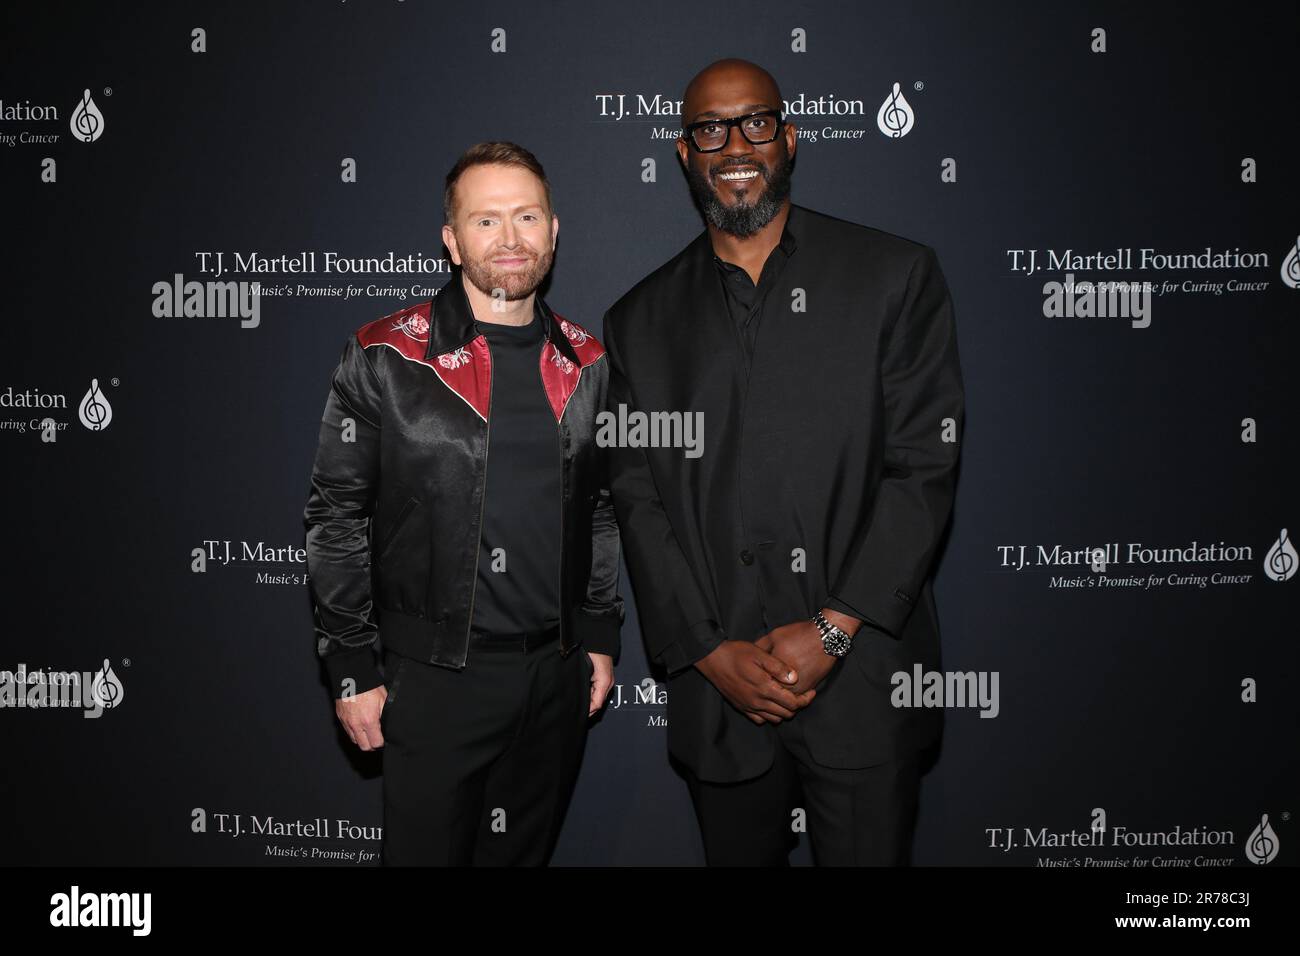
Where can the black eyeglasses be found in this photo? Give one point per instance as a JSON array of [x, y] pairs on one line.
[[711, 135]]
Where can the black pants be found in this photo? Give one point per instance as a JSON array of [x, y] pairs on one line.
[[479, 764], [861, 817]]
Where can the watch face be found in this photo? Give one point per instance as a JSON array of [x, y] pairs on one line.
[[836, 643]]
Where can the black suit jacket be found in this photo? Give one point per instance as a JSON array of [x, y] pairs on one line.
[[828, 471]]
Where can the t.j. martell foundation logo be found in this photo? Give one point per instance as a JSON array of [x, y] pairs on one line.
[[1281, 561], [87, 121], [1262, 844], [94, 411], [43, 689], [895, 117], [1291, 266]]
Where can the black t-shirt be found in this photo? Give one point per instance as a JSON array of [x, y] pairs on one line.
[[520, 536]]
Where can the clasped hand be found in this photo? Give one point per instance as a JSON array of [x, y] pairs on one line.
[[771, 679]]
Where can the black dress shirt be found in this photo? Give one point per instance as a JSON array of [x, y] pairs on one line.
[[746, 303]]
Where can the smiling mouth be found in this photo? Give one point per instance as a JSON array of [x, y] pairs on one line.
[[739, 176]]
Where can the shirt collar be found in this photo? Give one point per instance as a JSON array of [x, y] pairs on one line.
[[787, 245], [452, 321]]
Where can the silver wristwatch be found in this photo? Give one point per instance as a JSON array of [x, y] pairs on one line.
[[835, 640]]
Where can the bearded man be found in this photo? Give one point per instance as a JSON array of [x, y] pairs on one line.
[[488, 580], [783, 576]]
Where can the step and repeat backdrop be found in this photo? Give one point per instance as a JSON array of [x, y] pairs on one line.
[[1112, 195]]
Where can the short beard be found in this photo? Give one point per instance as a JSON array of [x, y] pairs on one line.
[[742, 220], [515, 285]]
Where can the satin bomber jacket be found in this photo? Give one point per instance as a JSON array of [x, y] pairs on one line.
[[397, 488]]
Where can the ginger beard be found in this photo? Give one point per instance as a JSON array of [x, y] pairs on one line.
[[518, 282]]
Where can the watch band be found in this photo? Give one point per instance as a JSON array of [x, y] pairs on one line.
[[835, 640]]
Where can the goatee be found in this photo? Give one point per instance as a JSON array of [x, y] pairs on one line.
[[742, 219]]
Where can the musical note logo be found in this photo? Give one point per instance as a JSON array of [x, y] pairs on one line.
[[1281, 561], [87, 121], [895, 116], [106, 690], [1262, 845], [1291, 266], [94, 411]]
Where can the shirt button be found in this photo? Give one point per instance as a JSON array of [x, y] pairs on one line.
[[746, 557]]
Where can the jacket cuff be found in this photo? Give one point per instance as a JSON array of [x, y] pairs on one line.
[[891, 608], [598, 634], [356, 665], [694, 645], [835, 604]]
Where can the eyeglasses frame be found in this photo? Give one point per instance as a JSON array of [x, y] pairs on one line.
[[688, 132]]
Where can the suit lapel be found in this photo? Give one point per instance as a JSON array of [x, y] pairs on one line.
[[709, 336]]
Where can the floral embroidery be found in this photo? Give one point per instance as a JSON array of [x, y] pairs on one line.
[[561, 362], [415, 325], [454, 359], [576, 335]]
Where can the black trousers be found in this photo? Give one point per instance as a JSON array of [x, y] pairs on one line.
[[861, 817], [479, 764]]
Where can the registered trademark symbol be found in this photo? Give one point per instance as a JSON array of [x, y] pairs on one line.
[[108, 91], [116, 382], [1286, 814], [126, 662], [918, 85]]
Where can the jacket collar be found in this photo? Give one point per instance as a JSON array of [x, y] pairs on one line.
[[702, 247], [451, 321], [703, 307]]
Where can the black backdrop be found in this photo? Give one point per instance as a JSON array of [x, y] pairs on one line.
[[1171, 708]]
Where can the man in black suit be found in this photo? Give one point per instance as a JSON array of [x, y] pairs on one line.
[[783, 576]]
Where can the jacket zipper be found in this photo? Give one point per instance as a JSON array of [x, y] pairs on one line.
[[482, 498]]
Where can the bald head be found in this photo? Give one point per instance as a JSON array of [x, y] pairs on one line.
[[727, 87], [741, 186]]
